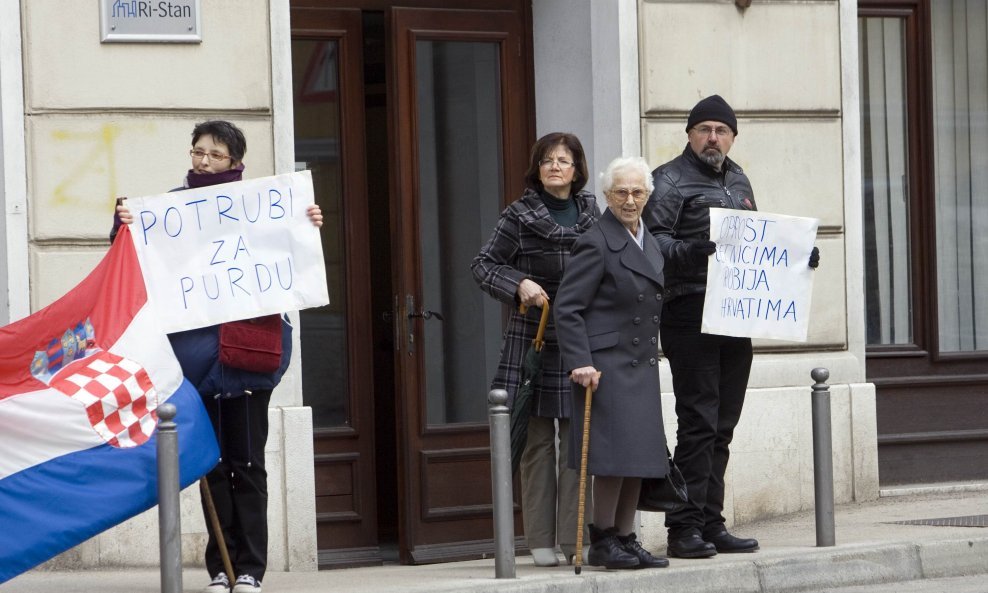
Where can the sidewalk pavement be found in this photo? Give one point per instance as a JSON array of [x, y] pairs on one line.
[[871, 548]]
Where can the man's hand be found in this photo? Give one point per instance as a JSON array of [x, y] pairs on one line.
[[697, 252], [814, 258]]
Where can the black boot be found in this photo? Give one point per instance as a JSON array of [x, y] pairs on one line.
[[729, 544], [690, 545], [645, 558], [607, 551]]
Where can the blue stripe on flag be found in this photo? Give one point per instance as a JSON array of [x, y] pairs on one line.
[[56, 505]]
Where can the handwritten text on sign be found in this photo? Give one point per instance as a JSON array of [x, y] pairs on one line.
[[758, 282], [230, 251]]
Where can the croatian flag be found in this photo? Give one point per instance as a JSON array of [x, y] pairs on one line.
[[80, 381]]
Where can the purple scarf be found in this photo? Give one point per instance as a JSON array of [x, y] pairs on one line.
[[193, 179]]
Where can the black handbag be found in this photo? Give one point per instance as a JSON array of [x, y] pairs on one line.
[[664, 495]]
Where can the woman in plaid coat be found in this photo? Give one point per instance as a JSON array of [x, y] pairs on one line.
[[522, 264]]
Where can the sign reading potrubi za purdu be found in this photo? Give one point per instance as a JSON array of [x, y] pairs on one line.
[[231, 251], [759, 282], [150, 21]]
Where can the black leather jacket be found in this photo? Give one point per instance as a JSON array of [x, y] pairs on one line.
[[677, 212]]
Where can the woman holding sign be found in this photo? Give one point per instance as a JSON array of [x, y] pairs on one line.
[[607, 322], [235, 385]]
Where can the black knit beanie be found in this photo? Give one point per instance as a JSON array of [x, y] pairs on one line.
[[713, 108]]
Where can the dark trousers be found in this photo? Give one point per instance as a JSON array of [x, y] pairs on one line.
[[709, 378], [239, 484]]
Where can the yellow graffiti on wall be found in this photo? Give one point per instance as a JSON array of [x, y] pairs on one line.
[[96, 156]]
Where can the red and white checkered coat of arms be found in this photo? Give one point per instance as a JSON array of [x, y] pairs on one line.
[[117, 393]]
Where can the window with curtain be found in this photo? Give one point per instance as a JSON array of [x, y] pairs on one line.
[[960, 110], [885, 170]]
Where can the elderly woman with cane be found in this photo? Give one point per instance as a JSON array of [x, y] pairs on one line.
[[607, 320]]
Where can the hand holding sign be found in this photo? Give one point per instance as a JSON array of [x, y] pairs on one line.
[[814, 258], [699, 251]]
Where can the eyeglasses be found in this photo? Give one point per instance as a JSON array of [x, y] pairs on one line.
[[638, 193], [199, 154], [705, 131], [561, 163]]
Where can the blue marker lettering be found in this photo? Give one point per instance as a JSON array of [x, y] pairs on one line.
[[170, 210], [145, 227], [221, 211]]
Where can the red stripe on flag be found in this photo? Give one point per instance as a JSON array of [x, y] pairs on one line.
[[109, 296]]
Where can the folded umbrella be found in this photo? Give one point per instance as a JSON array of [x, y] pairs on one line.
[[531, 374]]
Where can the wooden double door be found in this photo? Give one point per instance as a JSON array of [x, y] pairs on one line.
[[415, 121]]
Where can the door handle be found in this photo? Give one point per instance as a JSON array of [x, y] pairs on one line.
[[425, 314], [411, 314]]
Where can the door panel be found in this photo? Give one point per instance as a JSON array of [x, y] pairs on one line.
[[461, 148], [337, 376]]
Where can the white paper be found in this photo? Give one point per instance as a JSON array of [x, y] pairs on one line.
[[230, 251], [759, 282]]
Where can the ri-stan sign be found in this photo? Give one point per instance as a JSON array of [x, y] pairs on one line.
[[759, 282], [231, 251], [149, 21]]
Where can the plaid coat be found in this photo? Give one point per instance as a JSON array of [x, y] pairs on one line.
[[527, 243]]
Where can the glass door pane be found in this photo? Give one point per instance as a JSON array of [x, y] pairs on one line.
[[460, 189], [885, 171], [960, 134], [317, 148]]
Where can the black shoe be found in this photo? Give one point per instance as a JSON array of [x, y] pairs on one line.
[[606, 550], [728, 544], [645, 558], [691, 546]]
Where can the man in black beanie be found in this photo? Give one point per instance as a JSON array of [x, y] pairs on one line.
[[709, 372]]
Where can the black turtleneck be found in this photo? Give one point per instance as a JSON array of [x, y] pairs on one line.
[[564, 212]]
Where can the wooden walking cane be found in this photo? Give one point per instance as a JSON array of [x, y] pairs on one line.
[[578, 560], [214, 520]]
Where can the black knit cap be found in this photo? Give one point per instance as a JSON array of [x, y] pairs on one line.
[[713, 108]]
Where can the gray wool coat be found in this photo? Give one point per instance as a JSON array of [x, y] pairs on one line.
[[607, 316], [527, 243]]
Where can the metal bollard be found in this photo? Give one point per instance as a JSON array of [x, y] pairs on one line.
[[169, 511], [504, 517], [823, 460]]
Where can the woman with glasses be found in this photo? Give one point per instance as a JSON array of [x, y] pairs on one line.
[[522, 264], [607, 321], [236, 399]]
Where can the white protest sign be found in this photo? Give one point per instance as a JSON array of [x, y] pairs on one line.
[[230, 251], [759, 282]]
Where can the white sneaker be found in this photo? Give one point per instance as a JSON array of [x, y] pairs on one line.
[[219, 584], [545, 557], [247, 584]]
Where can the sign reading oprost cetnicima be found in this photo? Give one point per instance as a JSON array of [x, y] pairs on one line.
[[230, 251], [759, 282]]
